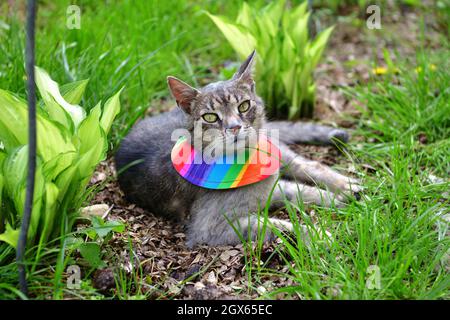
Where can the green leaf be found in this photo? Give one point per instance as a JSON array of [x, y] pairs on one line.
[[288, 55], [15, 168], [10, 236], [89, 160], [73, 92], [90, 251], [73, 243], [53, 139], [288, 78], [110, 111], [2, 182], [299, 34], [57, 106], [90, 131], [102, 228], [116, 226], [245, 16], [13, 117], [271, 14], [38, 200], [318, 45], [58, 164], [298, 12], [63, 182], [51, 196], [51, 136], [93, 140], [266, 32], [238, 36]]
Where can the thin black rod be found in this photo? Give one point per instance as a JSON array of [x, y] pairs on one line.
[[31, 89]]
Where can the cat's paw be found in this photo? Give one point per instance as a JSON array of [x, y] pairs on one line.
[[311, 234], [281, 225], [287, 226], [351, 187]]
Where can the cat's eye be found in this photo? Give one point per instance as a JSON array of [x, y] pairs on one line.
[[210, 117], [244, 106]]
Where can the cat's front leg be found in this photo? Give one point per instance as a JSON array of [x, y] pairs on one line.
[[292, 191], [300, 168]]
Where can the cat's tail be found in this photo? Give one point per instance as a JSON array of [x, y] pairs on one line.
[[309, 133]]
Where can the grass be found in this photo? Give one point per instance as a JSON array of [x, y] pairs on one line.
[[396, 225], [136, 45], [403, 133]]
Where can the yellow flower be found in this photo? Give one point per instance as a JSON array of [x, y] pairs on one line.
[[431, 66], [379, 71], [382, 70]]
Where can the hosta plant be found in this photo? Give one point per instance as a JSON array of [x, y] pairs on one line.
[[287, 56], [70, 144]]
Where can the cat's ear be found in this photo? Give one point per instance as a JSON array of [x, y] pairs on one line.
[[183, 93], [245, 72]]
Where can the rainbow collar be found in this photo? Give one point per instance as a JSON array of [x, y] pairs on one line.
[[255, 165]]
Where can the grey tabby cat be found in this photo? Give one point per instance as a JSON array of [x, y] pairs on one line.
[[232, 107]]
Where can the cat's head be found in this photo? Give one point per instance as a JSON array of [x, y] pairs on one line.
[[226, 110]]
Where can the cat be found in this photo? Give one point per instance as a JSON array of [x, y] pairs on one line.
[[148, 178]]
